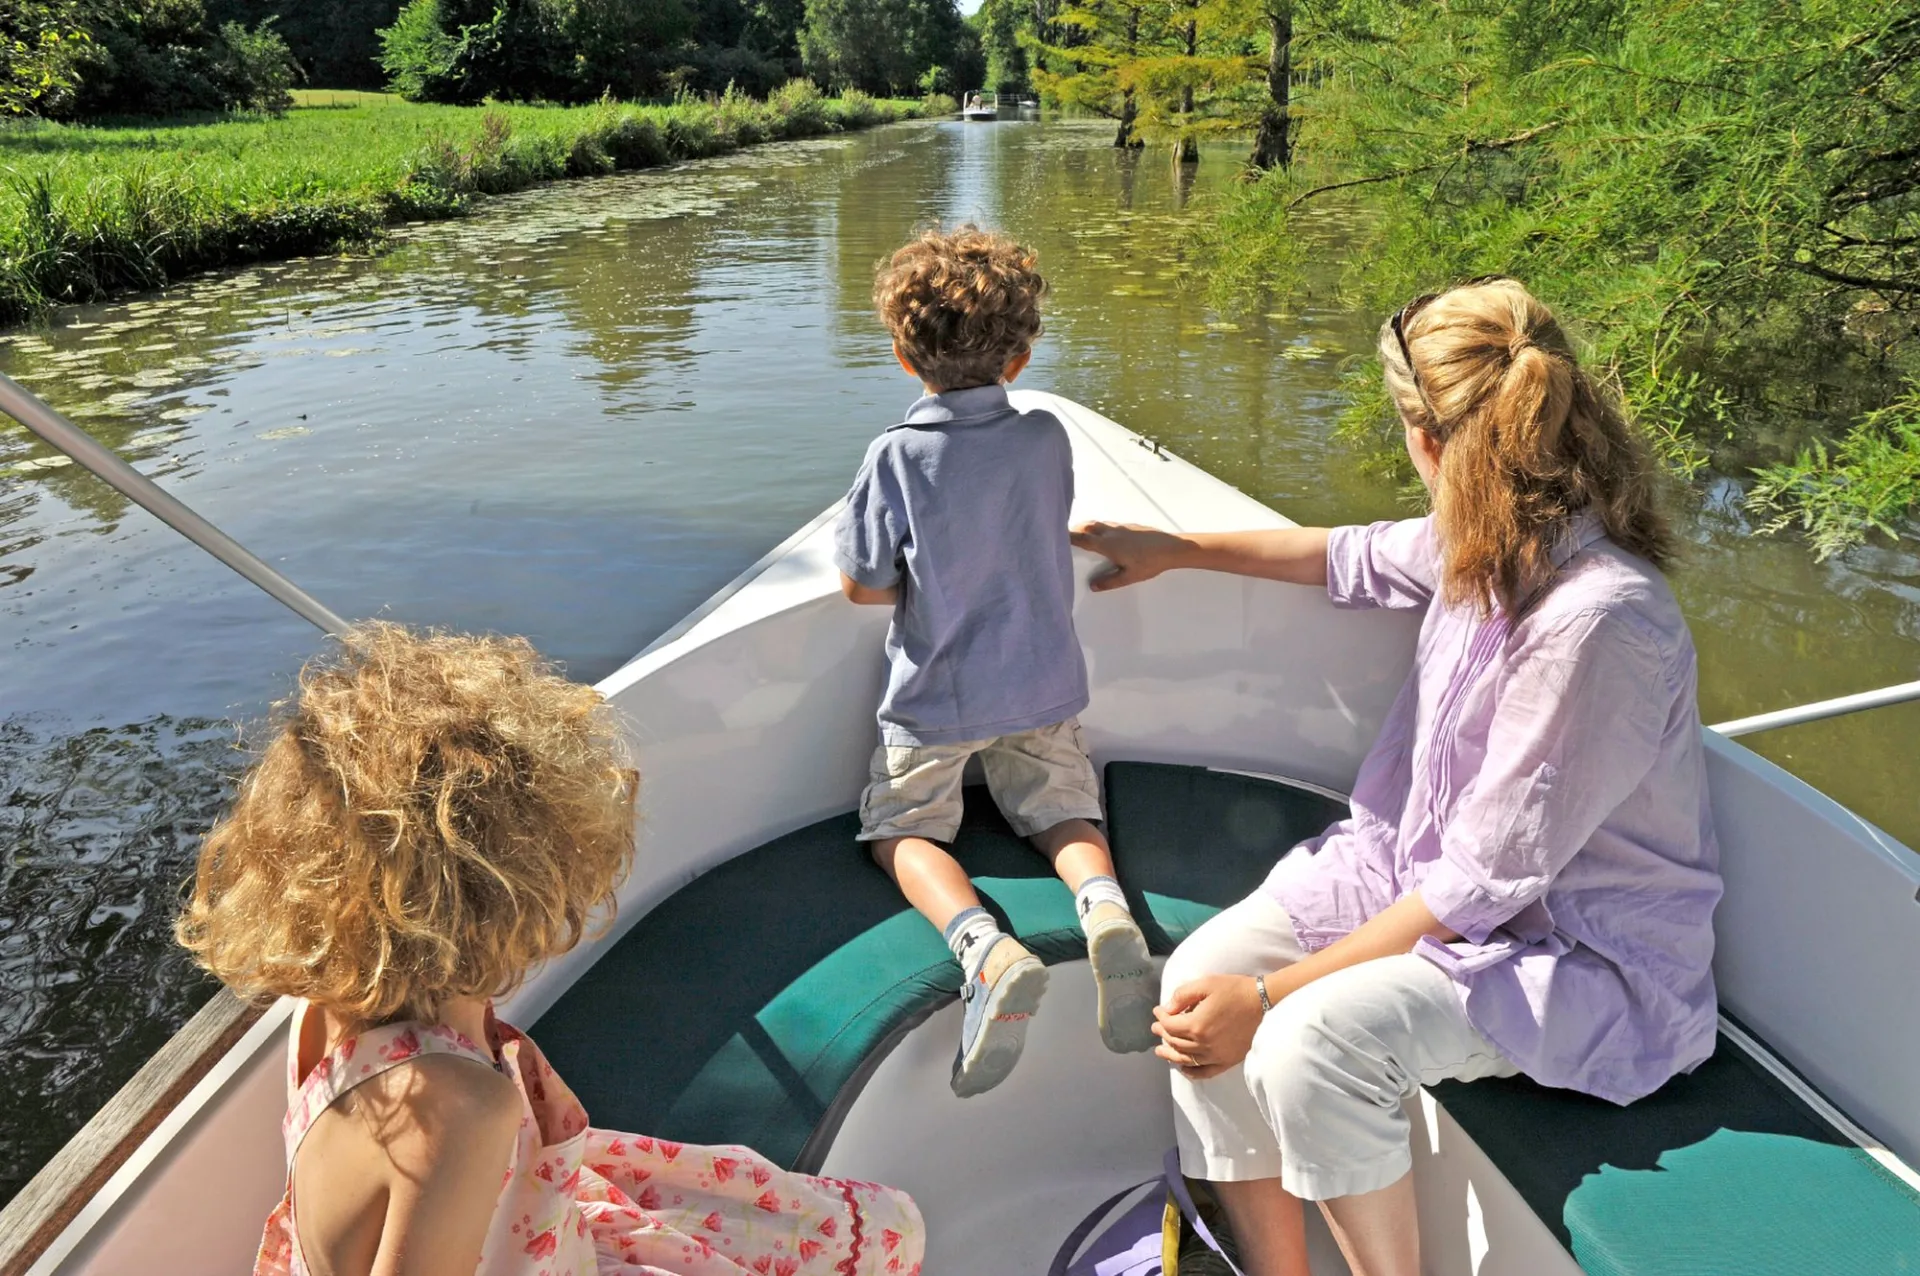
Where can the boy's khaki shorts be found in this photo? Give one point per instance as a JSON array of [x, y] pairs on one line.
[[1038, 778]]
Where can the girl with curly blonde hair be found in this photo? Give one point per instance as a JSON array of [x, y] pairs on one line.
[[434, 816], [1527, 881]]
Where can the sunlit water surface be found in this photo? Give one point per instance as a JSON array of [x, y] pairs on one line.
[[577, 415]]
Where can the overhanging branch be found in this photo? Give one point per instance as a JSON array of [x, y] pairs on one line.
[[1472, 147]]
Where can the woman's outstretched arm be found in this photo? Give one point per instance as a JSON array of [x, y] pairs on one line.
[[1297, 555]]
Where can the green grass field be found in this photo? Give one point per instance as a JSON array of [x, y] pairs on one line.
[[87, 212]]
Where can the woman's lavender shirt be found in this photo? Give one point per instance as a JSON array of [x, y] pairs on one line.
[[1543, 784]]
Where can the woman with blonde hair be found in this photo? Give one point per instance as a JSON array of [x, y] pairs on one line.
[[436, 815], [1527, 880]]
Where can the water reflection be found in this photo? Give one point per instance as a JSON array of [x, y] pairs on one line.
[[577, 415]]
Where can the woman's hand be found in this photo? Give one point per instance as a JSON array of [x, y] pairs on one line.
[[1208, 1024], [1297, 555], [1137, 553]]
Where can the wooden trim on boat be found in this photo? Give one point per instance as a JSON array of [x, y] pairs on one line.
[[34, 1219]]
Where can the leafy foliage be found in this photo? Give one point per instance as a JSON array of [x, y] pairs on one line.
[[41, 45], [67, 59], [336, 42], [1711, 189], [1004, 28], [575, 50], [1866, 484]]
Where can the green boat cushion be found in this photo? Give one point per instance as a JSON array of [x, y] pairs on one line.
[[1723, 1170]]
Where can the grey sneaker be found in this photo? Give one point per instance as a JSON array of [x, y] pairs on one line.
[[1123, 974], [999, 1001]]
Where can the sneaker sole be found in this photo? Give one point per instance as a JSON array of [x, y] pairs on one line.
[[1127, 989], [996, 1050]]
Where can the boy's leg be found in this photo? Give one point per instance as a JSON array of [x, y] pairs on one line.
[[1044, 784], [932, 880], [912, 801]]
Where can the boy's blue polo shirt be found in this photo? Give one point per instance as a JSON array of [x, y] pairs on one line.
[[964, 506]]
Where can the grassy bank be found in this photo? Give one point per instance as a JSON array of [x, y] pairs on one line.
[[89, 212]]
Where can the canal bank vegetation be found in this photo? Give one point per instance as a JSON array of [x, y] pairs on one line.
[[574, 50], [89, 212], [91, 59], [1722, 195]]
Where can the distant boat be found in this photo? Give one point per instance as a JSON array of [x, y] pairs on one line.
[[984, 108]]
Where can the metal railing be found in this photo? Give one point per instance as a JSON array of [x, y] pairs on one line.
[[25, 407], [1820, 709], [101, 461]]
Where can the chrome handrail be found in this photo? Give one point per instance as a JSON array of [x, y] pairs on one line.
[[101, 461], [1820, 709]]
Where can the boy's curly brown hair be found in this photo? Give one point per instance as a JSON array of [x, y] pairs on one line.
[[434, 815], [961, 304]]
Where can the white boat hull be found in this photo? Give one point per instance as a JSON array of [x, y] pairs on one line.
[[754, 718]]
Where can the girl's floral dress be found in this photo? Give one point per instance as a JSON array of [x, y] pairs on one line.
[[577, 1200]]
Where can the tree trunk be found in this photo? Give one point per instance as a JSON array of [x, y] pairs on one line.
[[1273, 143], [1188, 152], [1125, 138]]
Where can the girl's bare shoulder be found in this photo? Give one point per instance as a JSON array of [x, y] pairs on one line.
[[437, 1105]]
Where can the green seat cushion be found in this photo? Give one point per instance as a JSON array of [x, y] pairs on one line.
[[1723, 1170], [741, 1008], [1188, 841]]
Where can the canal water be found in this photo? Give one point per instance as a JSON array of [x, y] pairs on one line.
[[575, 416]]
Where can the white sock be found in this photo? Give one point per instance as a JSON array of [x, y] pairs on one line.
[[971, 935], [1099, 890]]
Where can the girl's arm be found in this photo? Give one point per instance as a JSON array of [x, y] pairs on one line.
[[1297, 555], [1207, 1026]]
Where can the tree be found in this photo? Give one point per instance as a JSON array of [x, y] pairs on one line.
[[620, 46], [141, 57], [1004, 27], [773, 28], [42, 43], [1724, 193], [880, 46], [564, 50], [336, 42], [1168, 71], [1094, 41], [1272, 140]]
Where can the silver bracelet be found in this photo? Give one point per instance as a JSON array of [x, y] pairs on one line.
[[1260, 986]]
